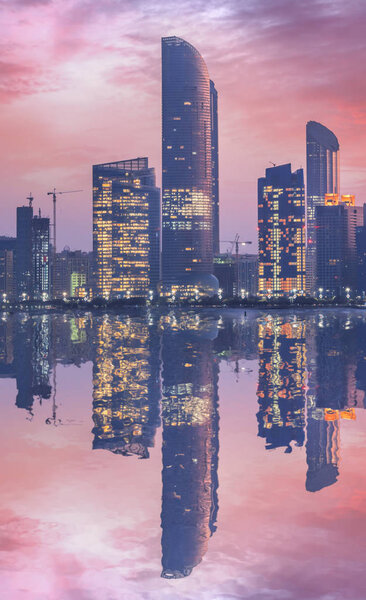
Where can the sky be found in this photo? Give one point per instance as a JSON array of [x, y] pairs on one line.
[[80, 85]]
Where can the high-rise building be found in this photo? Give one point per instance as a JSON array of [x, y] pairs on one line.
[[215, 169], [322, 164], [7, 266], [126, 228], [40, 257], [361, 256], [226, 268], [336, 251], [73, 272], [187, 215], [281, 231], [24, 264]]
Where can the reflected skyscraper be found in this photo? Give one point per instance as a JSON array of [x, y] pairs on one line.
[[190, 443], [187, 150], [281, 382], [322, 165], [322, 450], [126, 386]]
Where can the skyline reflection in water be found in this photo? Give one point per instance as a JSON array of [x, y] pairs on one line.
[[156, 383]]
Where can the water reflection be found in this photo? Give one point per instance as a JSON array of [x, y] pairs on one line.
[[153, 370]]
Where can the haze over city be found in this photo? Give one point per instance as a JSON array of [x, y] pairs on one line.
[[82, 85]]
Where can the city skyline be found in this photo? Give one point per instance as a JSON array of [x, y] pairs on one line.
[[40, 91]]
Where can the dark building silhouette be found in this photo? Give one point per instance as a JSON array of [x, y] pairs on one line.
[[7, 267], [187, 150], [190, 443], [126, 386], [322, 162], [215, 168], [126, 228], [281, 233], [281, 382], [336, 249], [24, 266], [361, 256], [226, 270]]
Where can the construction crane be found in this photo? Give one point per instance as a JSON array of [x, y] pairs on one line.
[[54, 195], [236, 243], [30, 198]]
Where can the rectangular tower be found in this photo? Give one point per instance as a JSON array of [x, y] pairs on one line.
[[336, 250], [40, 257], [126, 229], [281, 232], [24, 252]]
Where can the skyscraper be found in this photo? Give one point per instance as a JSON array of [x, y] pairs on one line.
[[322, 164], [40, 257], [7, 265], [281, 231], [126, 228], [187, 219], [215, 169], [24, 251], [336, 253]]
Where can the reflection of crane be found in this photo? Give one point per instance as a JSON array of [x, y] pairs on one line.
[[54, 195], [235, 243]]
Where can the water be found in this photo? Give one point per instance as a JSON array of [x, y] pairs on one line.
[[186, 455]]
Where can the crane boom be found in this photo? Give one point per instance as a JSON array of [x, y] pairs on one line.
[[54, 195]]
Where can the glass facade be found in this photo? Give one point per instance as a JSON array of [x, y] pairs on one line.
[[187, 216], [215, 169], [336, 248], [41, 257], [126, 229], [281, 232], [24, 251], [322, 164]]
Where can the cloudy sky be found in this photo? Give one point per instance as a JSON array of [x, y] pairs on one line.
[[80, 84]]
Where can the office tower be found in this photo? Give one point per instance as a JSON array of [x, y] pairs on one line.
[[281, 382], [322, 165], [126, 229], [126, 386], [190, 443], [73, 273], [24, 252], [215, 169], [40, 257], [187, 216], [281, 232], [226, 269], [7, 266], [336, 251], [361, 256]]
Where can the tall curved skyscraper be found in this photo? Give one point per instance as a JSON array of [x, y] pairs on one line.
[[322, 166], [187, 216]]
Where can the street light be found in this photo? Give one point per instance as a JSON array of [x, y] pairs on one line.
[[220, 293]]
